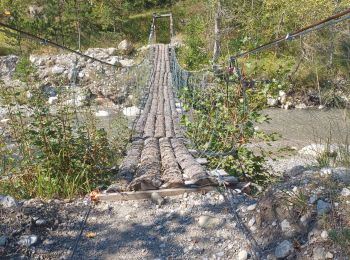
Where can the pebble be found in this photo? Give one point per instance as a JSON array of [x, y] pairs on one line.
[[210, 222], [323, 207], [230, 246], [329, 255], [286, 227], [313, 199], [324, 234], [251, 222], [303, 219], [284, 249], [202, 161], [40, 222], [8, 202], [101, 113], [49, 242], [325, 171], [220, 254], [318, 253], [251, 207], [345, 192], [157, 199], [243, 255], [28, 240]]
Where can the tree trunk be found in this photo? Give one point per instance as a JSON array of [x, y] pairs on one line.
[[217, 32], [77, 7]]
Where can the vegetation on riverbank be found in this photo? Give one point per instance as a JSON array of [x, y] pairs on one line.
[[52, 152]]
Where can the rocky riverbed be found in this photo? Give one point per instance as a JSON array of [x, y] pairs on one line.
[[107, 85]]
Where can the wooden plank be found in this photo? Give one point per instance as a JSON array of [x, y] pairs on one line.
[[141, 195], [162, 15]]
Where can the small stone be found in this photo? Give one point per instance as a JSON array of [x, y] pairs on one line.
[[313, 199], [101, 113], [274, 223], [52, 100], [345, 192], [251, 207], [220, 254], [286, 227], [329, 255], [303, 219], [157, 199], [40, 222], [57, 70], [325, 172], [8, 202], [185, 195], [324, 234], [28, 240], [284, 249], [243, 255], [202, 161], [230, 246], [272, 102], [48, 242], [219, 172], [323, 207], [251, 222], [3, 240], [318, 253], [210, 222]]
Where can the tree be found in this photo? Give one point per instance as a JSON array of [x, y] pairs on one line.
[[217, 32]]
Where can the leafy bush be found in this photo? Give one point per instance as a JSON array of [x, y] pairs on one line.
[[194, 55], [53, 154], [220, 122]]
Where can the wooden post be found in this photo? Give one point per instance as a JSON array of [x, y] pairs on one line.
[[171, 27]]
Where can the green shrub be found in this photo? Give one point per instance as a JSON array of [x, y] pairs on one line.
[[55, 155], [220, 121], [194, 55]]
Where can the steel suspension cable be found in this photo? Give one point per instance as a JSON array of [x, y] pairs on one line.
[[334, 19], [46, 41]]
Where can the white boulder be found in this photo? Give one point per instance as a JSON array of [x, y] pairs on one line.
[[131, 111], [125, 47]]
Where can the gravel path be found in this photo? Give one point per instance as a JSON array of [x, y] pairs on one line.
[[191, 226]]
